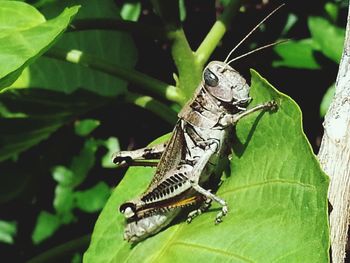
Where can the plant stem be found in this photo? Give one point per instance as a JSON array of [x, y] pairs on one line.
[[216, 33], [149, 84], [189, 72], [149, 103], [183, 56], [58, 252]]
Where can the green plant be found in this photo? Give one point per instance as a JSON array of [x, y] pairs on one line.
[[59, 70]]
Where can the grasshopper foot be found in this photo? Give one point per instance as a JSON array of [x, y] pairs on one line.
[[221, 214], [204, 207], [272, 105]]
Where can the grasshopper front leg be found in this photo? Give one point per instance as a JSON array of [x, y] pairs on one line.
[[139, 157], [233, 119]]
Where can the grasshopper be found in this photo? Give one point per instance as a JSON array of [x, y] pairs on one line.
[[201, 138]]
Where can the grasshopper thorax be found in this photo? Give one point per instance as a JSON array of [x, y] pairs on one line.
[[225, 84]]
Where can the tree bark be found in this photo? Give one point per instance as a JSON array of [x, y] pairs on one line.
[[334, 154]]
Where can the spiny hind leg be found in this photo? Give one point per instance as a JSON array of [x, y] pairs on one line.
[[204, 207], [139, 157], [195, 175]]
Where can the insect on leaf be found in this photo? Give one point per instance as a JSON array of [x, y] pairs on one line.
[[277, 196]]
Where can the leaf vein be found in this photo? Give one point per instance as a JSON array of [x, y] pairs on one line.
[[213, 250], [269, 182]]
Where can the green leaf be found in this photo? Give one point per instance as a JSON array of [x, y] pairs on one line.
[[7, 231], [26, 37], [82, 163], [277, 196], [291, 20], [85, 127], [33, 114], [332, 10], [182, 9], [297, 54], [329, 37], [131, 10], [326, 100], [64, 203], [112, 144], [46, 225], [63, 175], [113, 46], [93, 199]]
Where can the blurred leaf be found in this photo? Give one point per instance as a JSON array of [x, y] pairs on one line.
[[85, 127], [7, 231], [329, 38], [64, 203], [14, 181], [277, 201], [93, 199], [326, 100], [42, 3], [46, 225], [332, 10], [225, 2], [46, 111], [113, 46], [82, 163], [131, 10], [291, 20], [63, 175], [112, 144], [77, 258], [296, 54], [26, 37], [182, 9]]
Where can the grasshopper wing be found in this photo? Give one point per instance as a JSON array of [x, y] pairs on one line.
[[174, 152]]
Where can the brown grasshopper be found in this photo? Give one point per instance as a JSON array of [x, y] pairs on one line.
[[201, 137]]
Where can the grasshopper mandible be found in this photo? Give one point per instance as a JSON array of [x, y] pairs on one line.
[[201, 137]]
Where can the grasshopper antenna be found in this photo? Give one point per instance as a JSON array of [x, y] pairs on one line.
[[251, 32], [257, 49]]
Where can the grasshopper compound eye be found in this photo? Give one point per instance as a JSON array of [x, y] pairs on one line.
[[210, 78]]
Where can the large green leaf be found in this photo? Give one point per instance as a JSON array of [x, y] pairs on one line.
[[25, 35], [29, 116], [112, 46], [277, 195]]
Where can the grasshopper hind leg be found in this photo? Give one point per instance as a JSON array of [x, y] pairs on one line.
[[194, 181]]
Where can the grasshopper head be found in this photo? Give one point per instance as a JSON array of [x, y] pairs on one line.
[[225, 84]]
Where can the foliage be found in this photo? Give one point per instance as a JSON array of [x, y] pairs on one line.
[[326, 39], [65, 64]]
